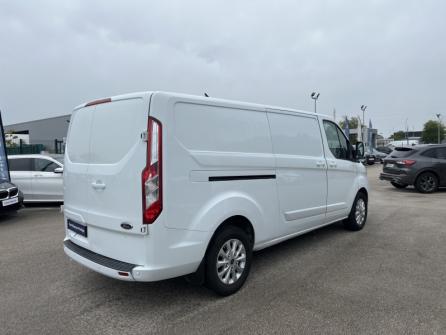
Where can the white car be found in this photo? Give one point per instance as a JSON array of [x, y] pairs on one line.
[[159, 185], [39, 177]]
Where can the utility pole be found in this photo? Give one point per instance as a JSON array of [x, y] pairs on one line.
[[439, 128], [407, 131], [363, 108], [315, 96]]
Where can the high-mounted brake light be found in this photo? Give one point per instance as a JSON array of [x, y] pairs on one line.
[[152, 195], [97, 102], [406, 162]]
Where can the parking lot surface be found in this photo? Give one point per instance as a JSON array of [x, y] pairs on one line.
[[389, 278]]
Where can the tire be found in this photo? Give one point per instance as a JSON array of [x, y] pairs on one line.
[[358, 214], [233, 272], [426, 182], [398, 185]]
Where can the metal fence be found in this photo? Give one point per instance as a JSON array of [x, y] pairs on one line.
[[51, 146]]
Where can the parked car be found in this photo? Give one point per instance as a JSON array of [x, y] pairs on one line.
[[379, 156], [421, 166], [385, 150], [369, 158], [39, 177], [11, 198], [159, 185]]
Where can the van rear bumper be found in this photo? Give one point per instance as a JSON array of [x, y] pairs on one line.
[[123, 271]]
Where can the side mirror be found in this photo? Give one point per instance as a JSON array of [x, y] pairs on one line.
[[58, 170], [359, 150]]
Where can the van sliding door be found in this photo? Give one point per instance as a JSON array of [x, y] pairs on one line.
[[301, 170]]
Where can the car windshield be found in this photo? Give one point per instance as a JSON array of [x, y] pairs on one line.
[[402, 152]]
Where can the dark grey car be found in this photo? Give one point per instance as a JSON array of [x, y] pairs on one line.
[[10, 197], [421, 166]]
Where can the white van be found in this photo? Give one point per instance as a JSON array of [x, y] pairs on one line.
[[159, 185]]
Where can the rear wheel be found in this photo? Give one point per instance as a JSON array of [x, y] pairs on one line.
[[398, 185], [228, 261], [358, 214], [426, 182]]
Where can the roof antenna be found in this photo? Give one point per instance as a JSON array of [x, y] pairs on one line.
[[206, 95]]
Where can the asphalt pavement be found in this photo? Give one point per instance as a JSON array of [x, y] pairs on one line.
[[389, 278]]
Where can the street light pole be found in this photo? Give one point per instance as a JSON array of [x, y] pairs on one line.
[[407, 131], [363, 108], [439, 127], [315, 96]]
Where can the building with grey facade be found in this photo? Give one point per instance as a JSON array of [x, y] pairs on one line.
[[50, 132]]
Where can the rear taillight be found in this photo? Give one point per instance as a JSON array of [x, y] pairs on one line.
[[406, 162], [152, 199]]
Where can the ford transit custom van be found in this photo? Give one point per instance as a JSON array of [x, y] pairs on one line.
[[160, 185]]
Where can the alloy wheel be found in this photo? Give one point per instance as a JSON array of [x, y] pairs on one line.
[[360, 211], [231, 261], [427, 183]]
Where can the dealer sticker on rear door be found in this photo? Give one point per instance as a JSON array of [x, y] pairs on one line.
[[77, 228], [11, 201]]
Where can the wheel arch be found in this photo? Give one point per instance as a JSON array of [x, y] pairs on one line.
[[364, 191], [419, 173], [241, 221], [237, 221]]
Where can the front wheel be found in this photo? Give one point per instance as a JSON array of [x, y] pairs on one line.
[[228, 261], [358, 214]]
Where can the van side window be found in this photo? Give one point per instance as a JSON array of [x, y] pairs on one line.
[[336, 141], [20, 164], [295, 135]]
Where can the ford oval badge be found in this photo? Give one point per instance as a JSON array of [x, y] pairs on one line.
[[126, 226]]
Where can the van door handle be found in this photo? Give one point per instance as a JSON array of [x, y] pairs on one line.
[[98, 185], [320, 164], [332, 164]]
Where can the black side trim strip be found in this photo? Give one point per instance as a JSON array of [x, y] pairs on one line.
[[99, 259], [249, 177]]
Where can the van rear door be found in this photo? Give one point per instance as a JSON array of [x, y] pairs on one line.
[[105, 157]]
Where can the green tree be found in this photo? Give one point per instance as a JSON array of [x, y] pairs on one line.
[[9, 139], [430, 132], [398, 135], [352, 123]]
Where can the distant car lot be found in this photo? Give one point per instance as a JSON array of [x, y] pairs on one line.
[[388, 278]]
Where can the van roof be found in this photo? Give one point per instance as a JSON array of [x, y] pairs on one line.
[[204, 99]]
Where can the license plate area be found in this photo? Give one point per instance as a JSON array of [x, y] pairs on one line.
[[390, 165], [77, 228], [9, 202]]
